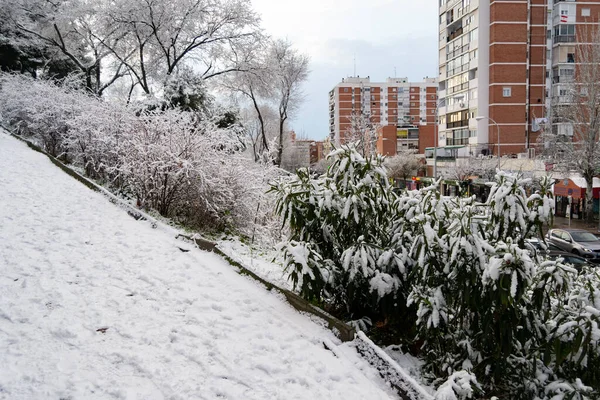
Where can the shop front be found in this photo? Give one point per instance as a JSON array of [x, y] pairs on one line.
[[572, 192]]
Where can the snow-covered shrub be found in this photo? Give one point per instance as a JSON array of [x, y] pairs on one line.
[[96, 136], [461, 385], [40, 109], [185, 165], [341, 249], [526, 327]]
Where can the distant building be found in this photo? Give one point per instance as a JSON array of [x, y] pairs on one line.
[[402, 112], [302, 152]]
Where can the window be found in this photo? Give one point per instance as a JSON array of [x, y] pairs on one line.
[[570, 57], [585, 12], [345, 89], [372, 97], [506, 92], [412, 97], [393, 89], [473, 35]]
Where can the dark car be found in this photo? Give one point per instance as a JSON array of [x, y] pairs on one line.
[[576, 241]]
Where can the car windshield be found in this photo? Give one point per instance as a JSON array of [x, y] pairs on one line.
[[583, 237]]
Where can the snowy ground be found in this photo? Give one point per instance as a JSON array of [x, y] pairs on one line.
[[258, 261], [95, 305]]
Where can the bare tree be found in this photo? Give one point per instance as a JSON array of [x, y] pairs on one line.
[[254, 86], [272, 80], [362, 131], [403, 165], [484, 168], [573, 143], [290, 70]]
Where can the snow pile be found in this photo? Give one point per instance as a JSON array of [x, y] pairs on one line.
[[96, 305]]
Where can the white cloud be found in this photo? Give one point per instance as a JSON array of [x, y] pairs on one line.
[[381, 34]]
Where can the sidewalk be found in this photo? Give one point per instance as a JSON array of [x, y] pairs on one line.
[[561, 222]]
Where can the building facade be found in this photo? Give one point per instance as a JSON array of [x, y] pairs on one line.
[[405, 108], [502, 65]]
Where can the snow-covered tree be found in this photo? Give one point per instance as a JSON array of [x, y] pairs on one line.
[[270, 84], [403, 165], [79, 35], [158, 37]]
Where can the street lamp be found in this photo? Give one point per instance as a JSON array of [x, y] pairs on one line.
[[480, 118], [435, 137]]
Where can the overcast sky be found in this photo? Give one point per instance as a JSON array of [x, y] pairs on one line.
[[383, 34]]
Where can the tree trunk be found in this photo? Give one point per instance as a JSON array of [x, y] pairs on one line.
[[589, 200]]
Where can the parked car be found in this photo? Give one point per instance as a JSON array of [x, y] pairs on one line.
[[553, 252], [576, 241]]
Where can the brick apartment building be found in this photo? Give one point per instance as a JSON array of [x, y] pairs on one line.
[[402, 112], [505, 62]]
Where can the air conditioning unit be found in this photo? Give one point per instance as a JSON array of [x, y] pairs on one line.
[[523, 155]]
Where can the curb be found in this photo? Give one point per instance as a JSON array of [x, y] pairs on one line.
[[406, 387]]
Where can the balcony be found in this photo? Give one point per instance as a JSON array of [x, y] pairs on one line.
[[455, 34]]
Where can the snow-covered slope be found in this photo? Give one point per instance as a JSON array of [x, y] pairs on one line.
[[95, 305]]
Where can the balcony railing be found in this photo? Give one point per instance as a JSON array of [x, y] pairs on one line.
[[458, 88], [457, 70], [458, 124], [564, 39], [455, 53]]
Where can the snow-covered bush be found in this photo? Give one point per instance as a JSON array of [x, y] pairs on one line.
[[184, 165], [461, 385], [40, 109], [341, 249], [526, 327]]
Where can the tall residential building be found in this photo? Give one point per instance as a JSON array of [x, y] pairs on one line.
[[406, 108], [502, 61]]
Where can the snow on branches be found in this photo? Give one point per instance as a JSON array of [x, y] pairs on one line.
[[184, 165], [457, 272]]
